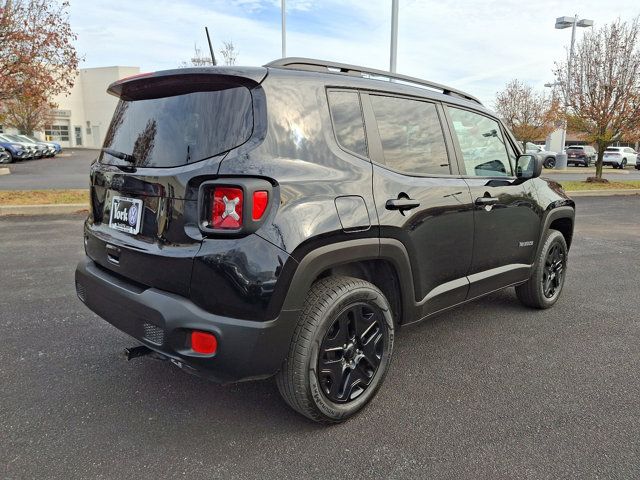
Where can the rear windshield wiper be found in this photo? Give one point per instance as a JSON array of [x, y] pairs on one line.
[[122, 156]]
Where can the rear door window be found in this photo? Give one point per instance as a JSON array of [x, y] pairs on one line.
[[348, 125], [411, 135], [176, 130]]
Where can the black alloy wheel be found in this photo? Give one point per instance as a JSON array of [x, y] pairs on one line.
[[340, 351], [350, 352], [553, 274], [545, 284]]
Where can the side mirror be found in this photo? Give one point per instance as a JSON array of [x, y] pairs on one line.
[[528, 166]]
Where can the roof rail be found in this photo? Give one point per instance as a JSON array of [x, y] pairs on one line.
[[310, 64]]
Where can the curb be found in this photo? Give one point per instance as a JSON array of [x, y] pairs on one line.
[[52, 209], [579, 171], [4, 171], [603, 193]]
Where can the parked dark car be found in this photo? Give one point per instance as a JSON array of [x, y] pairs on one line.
[[285, 221], [16, 150], [581, 155]]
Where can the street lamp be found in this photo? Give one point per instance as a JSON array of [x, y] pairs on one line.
[[562, 23], [283, 12], [394, 36]]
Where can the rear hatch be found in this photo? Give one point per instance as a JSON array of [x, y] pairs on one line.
[[169, 133]]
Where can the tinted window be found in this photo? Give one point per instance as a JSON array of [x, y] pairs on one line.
[[347, 121], [481, 143], [181, 129], [411, 135]]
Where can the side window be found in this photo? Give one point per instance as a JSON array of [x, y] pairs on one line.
[[481, 143], [347, 121], [411, 135]]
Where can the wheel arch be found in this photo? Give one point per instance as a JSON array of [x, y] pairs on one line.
[[561, 219], [383, 262]]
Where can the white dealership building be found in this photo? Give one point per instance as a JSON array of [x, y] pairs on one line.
[[82, 117]]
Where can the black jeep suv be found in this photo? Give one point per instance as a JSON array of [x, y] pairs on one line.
[[285, 221]]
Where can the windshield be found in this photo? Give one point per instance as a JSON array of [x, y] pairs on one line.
[[176, 130]]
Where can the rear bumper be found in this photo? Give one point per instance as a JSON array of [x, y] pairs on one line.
[[160, 320]]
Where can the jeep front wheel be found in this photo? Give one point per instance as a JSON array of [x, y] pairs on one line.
[[340, 351]]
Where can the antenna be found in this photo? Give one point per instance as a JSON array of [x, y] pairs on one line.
[[213, 57]]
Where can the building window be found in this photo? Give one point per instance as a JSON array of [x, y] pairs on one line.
[[58, 133], [88, 127], [1, 129]]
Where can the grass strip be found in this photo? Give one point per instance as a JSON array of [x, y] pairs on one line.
[[43, 197]]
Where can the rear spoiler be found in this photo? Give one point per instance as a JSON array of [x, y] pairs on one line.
[[185, 80]]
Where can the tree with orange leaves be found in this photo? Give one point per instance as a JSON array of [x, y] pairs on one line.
[[37, 59], [529, 114]]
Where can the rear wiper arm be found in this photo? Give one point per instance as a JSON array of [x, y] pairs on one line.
[[122, 156]]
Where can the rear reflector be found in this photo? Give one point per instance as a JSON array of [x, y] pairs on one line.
[[227, 208], [260, 200], [203, 342]]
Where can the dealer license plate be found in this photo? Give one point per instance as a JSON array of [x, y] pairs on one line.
[[126, 214]]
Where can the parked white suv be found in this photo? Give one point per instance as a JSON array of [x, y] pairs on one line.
[[619, 157]]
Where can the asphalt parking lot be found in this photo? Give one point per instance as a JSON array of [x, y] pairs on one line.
[[491, 390], [70, 169]]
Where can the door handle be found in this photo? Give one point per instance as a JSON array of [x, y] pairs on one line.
[[401, 204], [486, 201]]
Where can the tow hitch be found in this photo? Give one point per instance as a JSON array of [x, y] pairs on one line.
[[139, 351]]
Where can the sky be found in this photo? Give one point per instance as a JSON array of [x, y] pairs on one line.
[[476, 46]]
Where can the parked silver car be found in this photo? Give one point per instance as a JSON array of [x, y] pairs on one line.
[[548, 158]]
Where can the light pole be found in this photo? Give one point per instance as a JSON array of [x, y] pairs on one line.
[[284, 28], [394, 36], [562, 23]]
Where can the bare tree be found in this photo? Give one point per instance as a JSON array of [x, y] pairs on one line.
[[603, 94], [198, 60], [229, 53], [529, 114]]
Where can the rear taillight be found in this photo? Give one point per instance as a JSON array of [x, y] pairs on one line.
[[226, 208], [237, 207], [260, 202]]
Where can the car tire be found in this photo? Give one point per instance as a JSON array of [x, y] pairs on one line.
[[543, 288], [549, 162], [7, 159], [338, 310]]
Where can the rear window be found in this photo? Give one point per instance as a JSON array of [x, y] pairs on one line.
[[576, 148], [612, 150], [181, 129]]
